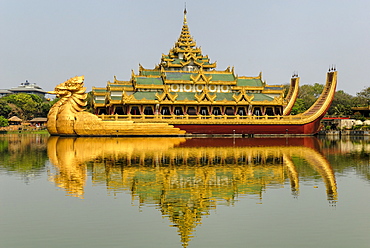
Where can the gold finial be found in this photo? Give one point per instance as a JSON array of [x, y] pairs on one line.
[[185, 14]]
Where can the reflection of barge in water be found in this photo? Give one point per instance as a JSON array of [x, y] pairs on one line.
[[185, 93], [175, 153], [186, 178]]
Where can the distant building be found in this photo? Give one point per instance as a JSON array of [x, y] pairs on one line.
[[25, 87], [364, 111], [4, 92]]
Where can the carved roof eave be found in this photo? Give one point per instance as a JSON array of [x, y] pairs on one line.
[[245, 77], [116, 88], [99, 105], [169, 64], [115, 102], [188, 48], [196, 78], [247, 88], [99, 93], [239, 98], [187, 102], [150, 86], [223, 83], [163, 95], [144, 69], [201, 82], [213, 65], [205, 94], [127, 98], [267, 91], [98, 88]]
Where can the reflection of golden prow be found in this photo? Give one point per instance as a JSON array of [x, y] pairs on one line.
[[67, 117], [185, 182], [71, 171]]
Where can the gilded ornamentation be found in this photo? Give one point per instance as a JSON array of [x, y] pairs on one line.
[[68, 118], [243, 96]]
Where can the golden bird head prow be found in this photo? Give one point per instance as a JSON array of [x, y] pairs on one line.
[[67, 88]]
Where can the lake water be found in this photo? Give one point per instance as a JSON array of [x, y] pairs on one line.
[[178, 192]]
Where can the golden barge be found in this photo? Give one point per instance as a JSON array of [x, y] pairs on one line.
[[185, 95]]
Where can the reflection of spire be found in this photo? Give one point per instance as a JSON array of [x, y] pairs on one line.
[[293, 174], [321, 165]]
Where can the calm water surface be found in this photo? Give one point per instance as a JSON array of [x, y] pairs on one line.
[[177, 192]]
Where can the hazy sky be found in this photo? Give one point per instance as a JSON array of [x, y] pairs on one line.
[[48, 41]]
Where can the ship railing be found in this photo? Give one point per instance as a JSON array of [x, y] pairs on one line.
[[200, 117]]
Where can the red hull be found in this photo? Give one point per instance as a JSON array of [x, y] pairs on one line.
[[304, 129]]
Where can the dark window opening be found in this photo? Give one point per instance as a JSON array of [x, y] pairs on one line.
[[241, 111], [229, 111], [165, 111], [178, 111], [257, 111], [216, 111], [102, 112], [192, 111], [135, 110], [204, 111], [277, 111], [119, 111], [269, 111], [148, 110]]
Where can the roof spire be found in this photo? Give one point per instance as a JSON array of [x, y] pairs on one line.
[[185, 14]]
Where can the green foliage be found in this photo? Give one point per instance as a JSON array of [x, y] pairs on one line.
[[89, 99], [299, 107], [364, 97], [25, 106], [342, 104], [3, 121], [309, 94], [5, 109], [27, 155]]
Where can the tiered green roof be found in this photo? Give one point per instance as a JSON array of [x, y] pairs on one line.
[[185, 74]]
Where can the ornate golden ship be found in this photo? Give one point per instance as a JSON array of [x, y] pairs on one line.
[[185, 94]]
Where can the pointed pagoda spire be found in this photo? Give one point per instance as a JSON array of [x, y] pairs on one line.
[[185, 52], [185, 38], [185, 14]]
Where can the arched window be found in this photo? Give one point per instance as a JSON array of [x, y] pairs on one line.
[[257, 111], [119, 111], [229, 111], [191, 111], [216, 111], [148, 110], [178, 111], [269, 111], [241, 111], [204, 111], [165, 111], [135, 110]]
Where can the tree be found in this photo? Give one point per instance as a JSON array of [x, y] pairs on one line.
[[27, 106], [5, 109], [309, 94], [342, 104], [364, 97], [298, 107], [3, 121]]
